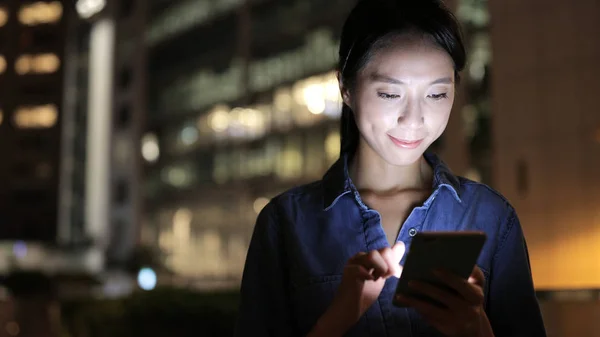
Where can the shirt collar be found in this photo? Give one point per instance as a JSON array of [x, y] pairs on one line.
[[337, 180]]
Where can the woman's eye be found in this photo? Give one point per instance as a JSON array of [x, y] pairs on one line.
[[438, 97], [387, 96]]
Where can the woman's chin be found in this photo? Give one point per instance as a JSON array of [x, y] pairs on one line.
[[403, 157]]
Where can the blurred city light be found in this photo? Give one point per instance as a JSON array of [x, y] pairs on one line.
[[40, 64], [189, 135], [40, 13], [147, 279], [88, 8], [2, 64], [20, 249], [150, 148], [259, 204], [219, 118], [36, 117], [3, 17]]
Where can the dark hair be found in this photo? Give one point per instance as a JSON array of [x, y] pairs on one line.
[[373, 24]]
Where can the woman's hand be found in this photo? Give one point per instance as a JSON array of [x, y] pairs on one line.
[[463, 315], [362, 282]]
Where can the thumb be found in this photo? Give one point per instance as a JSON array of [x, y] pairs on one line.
[[398, 252]]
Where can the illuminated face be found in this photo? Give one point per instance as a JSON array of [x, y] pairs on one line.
[[402, 99]]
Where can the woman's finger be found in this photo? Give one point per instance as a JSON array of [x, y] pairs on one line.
[[470, 292], [375, 262], [393, 266], [446, 298]]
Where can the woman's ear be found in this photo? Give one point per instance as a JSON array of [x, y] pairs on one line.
[[344, 91]]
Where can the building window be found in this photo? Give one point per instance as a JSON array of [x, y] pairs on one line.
[[3, 16], [2, 64], [38, 13], [36, 117], [37, 64]]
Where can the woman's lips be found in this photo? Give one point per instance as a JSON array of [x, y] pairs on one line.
[[406, 144]]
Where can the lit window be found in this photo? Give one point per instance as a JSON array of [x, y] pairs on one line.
[[1, 116], [3, 16], [39, 13], [150, 148], [2, 64], [36, 117], [38, 64]]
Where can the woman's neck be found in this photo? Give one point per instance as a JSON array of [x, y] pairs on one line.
[[372, 173]]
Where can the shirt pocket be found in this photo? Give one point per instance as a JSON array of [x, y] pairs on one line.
[[311, 298]]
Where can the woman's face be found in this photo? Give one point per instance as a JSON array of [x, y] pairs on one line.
[[402, 99]]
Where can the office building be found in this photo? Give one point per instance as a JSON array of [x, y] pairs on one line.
[[72, 81], [31, 77]]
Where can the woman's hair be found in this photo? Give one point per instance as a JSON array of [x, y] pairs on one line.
[[374, 25]]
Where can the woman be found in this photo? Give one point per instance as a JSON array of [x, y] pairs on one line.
[[325, 257]]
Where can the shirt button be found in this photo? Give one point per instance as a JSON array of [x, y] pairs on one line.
[[412, 232]]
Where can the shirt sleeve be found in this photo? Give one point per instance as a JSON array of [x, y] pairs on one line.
[[512, 308], [264, 306]]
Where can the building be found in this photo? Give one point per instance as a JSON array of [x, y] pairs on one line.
[[243, 104], [31, 76], [72, 98]]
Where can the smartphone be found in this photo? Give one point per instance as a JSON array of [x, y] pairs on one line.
[[455, 252]]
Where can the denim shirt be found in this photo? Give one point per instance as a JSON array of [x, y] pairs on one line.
[[304, 237]]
